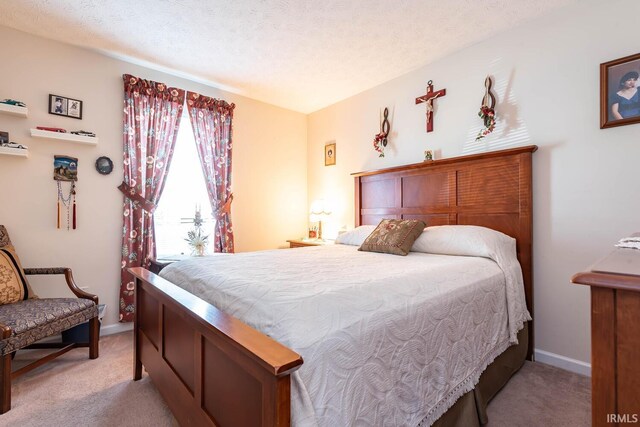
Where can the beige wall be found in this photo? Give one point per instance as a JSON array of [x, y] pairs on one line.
[[269, 161], [586, 192]]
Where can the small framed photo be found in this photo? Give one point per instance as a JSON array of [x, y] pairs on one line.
[[330, 154], [74, 108], [429, 155], [619, 92], [63, 106], [4, 138]]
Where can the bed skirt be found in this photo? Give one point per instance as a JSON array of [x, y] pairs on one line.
[[471, 409]]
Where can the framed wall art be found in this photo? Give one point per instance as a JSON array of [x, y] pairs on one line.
[[619, 92], [330, 154], [65, 168], [63, 106]]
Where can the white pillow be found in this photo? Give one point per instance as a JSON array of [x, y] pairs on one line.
[[466, 240], [356, 236], [472, 240]]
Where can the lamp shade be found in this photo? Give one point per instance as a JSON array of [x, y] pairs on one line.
[[320, 207], [320, 211]]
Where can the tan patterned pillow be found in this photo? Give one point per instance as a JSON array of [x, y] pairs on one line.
[[5, 243], [393, 236], [4, 237], [13, 285]]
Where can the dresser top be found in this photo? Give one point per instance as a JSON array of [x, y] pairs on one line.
[[620, 261], [620, 269]]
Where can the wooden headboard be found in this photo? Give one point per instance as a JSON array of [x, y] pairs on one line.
[[489, 189]]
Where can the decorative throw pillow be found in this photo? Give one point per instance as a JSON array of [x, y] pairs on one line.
[[4, 237], [393, 236], [13, 285], [5, 243]]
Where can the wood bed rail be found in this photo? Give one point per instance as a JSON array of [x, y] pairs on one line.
[[211, 368]]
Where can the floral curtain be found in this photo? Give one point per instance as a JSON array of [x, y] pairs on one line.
[[152, 113], [211, 120]]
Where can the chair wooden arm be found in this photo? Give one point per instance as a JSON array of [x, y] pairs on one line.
[[45, 270], [68, 275], [5, 331]]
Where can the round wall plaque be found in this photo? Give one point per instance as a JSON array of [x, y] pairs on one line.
[[104, 165]]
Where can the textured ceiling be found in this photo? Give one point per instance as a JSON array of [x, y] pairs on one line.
[[298, 54]]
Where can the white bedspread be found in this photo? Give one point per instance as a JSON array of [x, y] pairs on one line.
[[386, 340]]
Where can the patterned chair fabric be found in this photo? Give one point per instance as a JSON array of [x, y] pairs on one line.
[[34, 319]]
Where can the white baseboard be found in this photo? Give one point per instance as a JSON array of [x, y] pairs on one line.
[[562, 362], [115, 328]]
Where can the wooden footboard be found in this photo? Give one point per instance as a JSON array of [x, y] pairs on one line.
[[209, 367]]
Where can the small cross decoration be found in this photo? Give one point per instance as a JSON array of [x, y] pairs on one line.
[[428, 98]]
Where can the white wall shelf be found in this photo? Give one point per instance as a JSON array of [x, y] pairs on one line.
[[14, 110], [19, 152], [69, 137]]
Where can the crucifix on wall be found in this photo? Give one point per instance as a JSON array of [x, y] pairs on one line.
[[428, 98]]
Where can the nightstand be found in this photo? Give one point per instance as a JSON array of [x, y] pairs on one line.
[[301, 243]]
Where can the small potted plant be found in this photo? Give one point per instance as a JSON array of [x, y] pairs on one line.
[[195, 238]]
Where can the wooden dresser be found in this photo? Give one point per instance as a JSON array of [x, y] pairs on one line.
[[615, 337]]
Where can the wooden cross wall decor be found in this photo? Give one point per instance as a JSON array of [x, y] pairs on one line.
[[428, 99]]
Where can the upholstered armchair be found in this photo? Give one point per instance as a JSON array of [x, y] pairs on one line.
[[25, 319]]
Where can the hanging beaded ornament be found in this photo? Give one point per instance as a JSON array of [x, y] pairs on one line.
[[65, 169], [69, 203]]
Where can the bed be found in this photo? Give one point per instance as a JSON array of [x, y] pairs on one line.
[[213, 369]]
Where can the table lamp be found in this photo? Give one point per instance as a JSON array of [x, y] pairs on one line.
[[320, 210]]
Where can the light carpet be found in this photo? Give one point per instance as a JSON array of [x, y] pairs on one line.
[[542, 395], [74, 390]]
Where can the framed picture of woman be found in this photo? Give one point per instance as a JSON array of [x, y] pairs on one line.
[[619, 92]]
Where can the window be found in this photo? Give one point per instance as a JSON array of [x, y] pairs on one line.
[[184, 192]]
